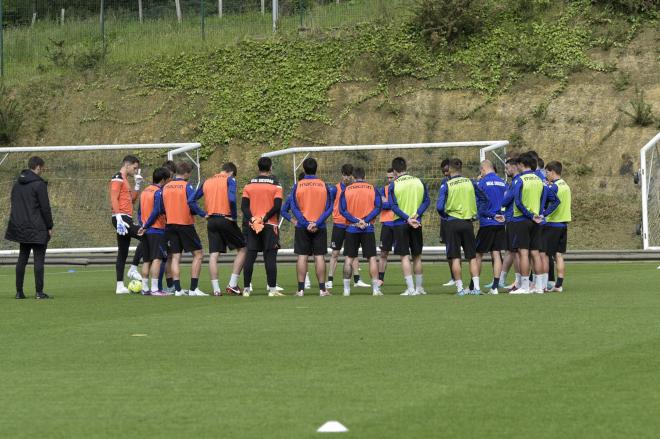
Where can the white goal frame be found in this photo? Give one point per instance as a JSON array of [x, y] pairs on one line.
[[645, 178], [173, 149], [485, 147]]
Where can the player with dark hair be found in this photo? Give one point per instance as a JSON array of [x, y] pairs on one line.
[[151, 216], [409, 200], [30, 224], [387, 227], [166, 264], [457, 203], [180, 201], [444, 166], [339, 229], [221, 205], [261, 206], [311, 204], [287, 215], [529, 199], [360, 204], [122, 198], [556, 228], [511, 258]]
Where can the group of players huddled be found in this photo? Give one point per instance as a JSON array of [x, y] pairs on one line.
[[527, 218]]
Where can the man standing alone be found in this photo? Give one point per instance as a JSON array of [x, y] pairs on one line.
[[30, 224]]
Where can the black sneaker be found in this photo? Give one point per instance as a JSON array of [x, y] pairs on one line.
[[20, 296], [42, 296]]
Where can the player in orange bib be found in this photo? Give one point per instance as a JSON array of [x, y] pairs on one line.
[[122, 198], [360, 204], [180, 201], [151, 215], [311, 204], [261, 205], [220, 202]]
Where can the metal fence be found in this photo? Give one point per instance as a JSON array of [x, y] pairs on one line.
[[38, 35]]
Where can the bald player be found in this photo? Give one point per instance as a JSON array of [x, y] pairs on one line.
[[311, 204]]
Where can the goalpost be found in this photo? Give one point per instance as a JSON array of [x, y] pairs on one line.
[[650, 180], [423, 161], [78, 179]]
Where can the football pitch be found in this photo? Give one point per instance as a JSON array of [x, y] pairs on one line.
[[581, 364]]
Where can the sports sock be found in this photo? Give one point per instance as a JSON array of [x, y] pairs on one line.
[[544, 280], [321, 286], [169, 282], [551, 268], [177, 284], [194, 281], [496, 283], [524, 282], [518, 279], [216, 285], [503, 276], [233, 280], [331, 278], [419, 281], [381, 275], [154, 285], [459, 285], [560, 281], [145, 284], [374, 286], [539, 282], [471, 287], [409, 283], [347, 285], [161, 273], [356, 278], [475, 281], [307, 278], [301, 286]]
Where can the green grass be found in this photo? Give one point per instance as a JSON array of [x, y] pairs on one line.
[[579, 364], [129, 42]]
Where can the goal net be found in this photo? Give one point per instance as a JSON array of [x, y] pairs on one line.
[[78, 179], [423, 161], [650, 181]]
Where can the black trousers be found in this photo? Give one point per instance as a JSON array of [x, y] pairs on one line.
[[39, 251], [270, 261], [123, 244]]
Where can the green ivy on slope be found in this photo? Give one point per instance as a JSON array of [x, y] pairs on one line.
[[262, 91]]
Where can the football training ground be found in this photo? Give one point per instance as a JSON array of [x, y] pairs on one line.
[[580, 364]]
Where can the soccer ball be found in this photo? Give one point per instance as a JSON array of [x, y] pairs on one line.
[[135, 286]]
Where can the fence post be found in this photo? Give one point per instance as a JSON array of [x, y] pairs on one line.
[[102, 19], [302, 12], [263, 7], [203, 18], [2, 44], [219, 8], [276, 8], [140, 12]]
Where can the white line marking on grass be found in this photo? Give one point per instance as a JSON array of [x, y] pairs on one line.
[[138, 335]]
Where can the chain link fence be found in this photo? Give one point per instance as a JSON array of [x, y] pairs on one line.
[[38, 35]]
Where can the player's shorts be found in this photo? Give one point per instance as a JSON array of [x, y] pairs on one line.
[[337, 238], [154, 247], [491, 238], [268, 239], [460, 233], [386, 238], [183, 238], [524, 235], [443, 224], [132, 228], [555, 240], [354, 241], [224, 233], [306, 243], [408, 240]]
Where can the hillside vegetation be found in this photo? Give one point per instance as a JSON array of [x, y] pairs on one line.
[[560, 77]]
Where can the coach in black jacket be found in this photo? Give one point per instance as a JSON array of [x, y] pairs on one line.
[[30, 224]]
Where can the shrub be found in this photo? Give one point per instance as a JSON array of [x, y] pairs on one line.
[[444, 22], [642, 113], [11, 117], [89, 56], [628, 6]]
